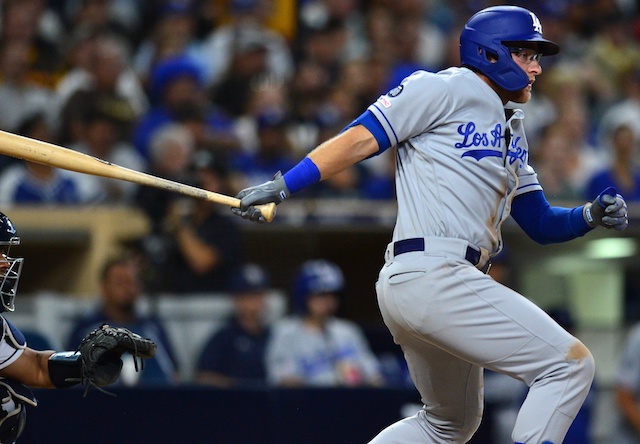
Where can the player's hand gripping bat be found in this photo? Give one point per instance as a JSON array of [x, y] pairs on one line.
[[46, 153]]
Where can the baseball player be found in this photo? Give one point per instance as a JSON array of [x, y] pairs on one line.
[[461, 170], [21, 366]]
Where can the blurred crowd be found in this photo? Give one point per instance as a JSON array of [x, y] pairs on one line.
[[221, 94], [257, 84]]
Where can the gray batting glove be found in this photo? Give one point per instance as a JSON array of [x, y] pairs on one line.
[[274, 191], [608, 210]]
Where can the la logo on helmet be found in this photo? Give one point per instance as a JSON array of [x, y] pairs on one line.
[[537, 26]]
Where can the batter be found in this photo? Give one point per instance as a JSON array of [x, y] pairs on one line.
[[461, 170]]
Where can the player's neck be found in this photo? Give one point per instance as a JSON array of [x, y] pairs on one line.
[[499, 91]]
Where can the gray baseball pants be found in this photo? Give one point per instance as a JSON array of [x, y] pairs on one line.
[[451, 321]]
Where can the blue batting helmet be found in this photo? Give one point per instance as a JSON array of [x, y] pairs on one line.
[[315, 277], [492, 31]]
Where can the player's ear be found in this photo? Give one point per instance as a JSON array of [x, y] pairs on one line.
[[492, 57]]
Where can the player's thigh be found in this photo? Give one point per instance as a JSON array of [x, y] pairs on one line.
[[450, 388], [465, 313]]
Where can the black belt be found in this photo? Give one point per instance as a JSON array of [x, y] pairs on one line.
[[417, 244]]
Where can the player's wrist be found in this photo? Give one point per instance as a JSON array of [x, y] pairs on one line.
[[587, 214], [304, 174], [65, 369]]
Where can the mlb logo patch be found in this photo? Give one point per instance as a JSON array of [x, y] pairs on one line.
[[384, 101]]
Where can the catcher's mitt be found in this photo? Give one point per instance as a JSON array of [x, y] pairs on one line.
[[101, 350]]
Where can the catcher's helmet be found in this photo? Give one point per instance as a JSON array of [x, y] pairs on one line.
[[315, 277], [10, 267], [492, 31]]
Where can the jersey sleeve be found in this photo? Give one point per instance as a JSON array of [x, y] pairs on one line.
[[402, 113]]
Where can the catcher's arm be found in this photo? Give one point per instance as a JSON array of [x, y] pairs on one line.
[[97, 361], [31, 369]]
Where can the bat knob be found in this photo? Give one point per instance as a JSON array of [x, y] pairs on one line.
[[268, 211]]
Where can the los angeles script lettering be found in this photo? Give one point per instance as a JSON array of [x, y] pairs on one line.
[[473, 138]]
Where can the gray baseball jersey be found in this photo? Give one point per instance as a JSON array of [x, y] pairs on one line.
[[463, 165], [455, 182]]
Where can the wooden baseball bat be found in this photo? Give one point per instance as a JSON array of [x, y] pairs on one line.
[[56, 156]]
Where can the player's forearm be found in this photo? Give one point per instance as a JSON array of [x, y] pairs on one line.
[[343, 151], [31, 368], [546, 224], [331, 157]]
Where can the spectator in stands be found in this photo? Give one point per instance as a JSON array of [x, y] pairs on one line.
[[102, 67], [172, 148], [120, 293], [234, 355], [206, 242], [171, 151], [247, 65], [246, 22], [626, 110], [20, 22], [102, 16], [102, 133], [29, 183], [622, 172], [613, 49], [173, 33], [314, 347], [562, 168], [16, 88], [176, 83], [273, 152]]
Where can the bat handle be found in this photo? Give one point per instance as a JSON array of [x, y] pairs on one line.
[[268, 211]]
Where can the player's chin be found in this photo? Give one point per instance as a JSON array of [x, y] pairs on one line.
[[521, 96]]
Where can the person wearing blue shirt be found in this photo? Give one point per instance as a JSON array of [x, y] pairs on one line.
[[120, 290], [622, 172], [234, 355]]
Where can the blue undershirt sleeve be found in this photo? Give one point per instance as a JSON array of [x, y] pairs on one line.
[[370, 122], [544, 223]]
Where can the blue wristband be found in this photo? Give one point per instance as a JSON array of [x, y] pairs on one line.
[[302, 175]]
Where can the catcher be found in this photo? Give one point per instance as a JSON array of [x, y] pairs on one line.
[[96, 363]]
